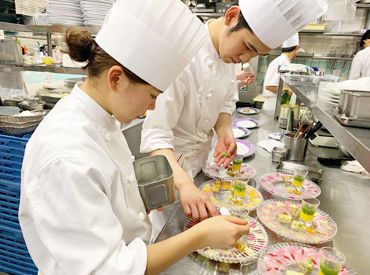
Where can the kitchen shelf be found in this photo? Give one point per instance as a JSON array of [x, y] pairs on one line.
[[330, 33], [42, 29], [41, 68], [317, 57], [208, 14], [355, 140], [363, 6]]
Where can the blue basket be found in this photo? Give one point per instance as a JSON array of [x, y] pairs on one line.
[[11, 151], [10, 191], [10, 178], [16, 268], [10, 171], [10, 165], [13, 142], [11, 158]]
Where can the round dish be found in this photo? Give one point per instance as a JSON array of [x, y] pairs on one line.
[[244, 148], [215, 172], [283, 254], [325, 228], [222, 196], [276, 184], [247, 110], [255, 242], [239, 132], [246, 123]]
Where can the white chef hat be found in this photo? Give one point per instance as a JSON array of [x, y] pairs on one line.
[[274, 21], [153, 39], [291, 41]]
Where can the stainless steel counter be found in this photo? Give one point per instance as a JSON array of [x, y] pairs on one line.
[[344, 196]]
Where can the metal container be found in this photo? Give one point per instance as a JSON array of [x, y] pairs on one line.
[[278, 154], [354, 104], [297, 148], [155, 180], [314, 174]]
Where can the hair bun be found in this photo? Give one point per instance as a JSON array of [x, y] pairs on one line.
[[79, 44]]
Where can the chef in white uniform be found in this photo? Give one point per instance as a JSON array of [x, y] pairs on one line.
[[271, 82], [81, 211], [361, 62], [203, 97]]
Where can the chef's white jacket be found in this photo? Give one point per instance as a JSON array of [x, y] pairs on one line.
[[187, 111], [81, 211], [272, 79], [361, 64]]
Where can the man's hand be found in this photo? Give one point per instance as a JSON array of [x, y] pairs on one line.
[[225, 150]]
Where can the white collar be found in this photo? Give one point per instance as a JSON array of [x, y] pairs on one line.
[[93, 110], [211, 47]]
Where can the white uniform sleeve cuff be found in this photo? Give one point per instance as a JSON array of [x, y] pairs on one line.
[[154, 139]]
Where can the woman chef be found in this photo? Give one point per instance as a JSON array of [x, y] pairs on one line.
[[80, 211], [361, 62], [203, 97]]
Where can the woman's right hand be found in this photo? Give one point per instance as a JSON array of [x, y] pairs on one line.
[[221, 232]]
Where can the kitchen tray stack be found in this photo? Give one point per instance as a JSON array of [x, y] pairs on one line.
[[14, 256]]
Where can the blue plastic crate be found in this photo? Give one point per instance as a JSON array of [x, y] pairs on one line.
[[11, 151], [17, 255], [10, 191], [12, 231], [10, 165], [11, 158], [13, 142], [15, 267], [12, 240], [10, 178], [10, 171]]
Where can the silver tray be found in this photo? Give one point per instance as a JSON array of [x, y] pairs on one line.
[[314, 174], [350, 121]]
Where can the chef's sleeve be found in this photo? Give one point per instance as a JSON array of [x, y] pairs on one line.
[[232, 95], [157, 132], [356, 68], [78, 232], [272, 76]]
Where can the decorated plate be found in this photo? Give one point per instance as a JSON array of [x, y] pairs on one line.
[[214, 171], [223, 196], [246, 123], [240, 132], [247, 110], [324, 228], [280, 185], [244, 148], [247, 249], [286, 256]]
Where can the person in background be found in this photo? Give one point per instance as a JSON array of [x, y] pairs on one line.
[[270, 84], [361, 62], [202, 99], [80, 210]]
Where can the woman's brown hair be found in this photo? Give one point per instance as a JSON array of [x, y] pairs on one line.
[[82, 47]]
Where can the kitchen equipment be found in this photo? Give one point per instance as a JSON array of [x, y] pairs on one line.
[[285, 111], [278, 154], [155, 181], [314, 174], [353, 108], [297, 148], [354, 104]]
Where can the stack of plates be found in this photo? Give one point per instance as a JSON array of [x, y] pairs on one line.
[[67, 12], [329, 95], [95, 11]]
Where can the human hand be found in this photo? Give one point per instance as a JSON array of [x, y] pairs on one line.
[[245, 78], [196, 203], [225, 150], [221, 232]]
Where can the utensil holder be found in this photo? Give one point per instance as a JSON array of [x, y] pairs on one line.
[[297, 148]]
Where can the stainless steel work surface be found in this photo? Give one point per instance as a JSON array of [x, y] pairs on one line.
[[345, 197]]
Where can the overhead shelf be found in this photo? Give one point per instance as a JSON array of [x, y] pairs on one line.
[[355, 140], [42, 29], [41, 68], [363, 6]]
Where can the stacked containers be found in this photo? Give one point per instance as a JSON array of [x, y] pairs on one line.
[[14, 256]]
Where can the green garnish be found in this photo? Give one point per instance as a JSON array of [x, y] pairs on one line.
[[223, 154]]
